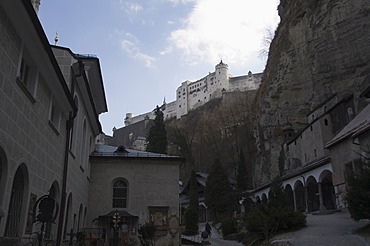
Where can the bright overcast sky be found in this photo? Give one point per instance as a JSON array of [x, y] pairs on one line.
[[147, 48]]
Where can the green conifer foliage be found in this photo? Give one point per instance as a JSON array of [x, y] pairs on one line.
[[242, 177], [218, 192], [157, 136], [192, 212], [358, 194]]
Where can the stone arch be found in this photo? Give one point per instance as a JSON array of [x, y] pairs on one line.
[[299, 191], [312, 194], [17, 210], [327, 189], [258, 200], [289, 194], [264, 198]]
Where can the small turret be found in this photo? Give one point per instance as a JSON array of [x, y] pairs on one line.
[[36, 5], [128, 118], [222, 76]]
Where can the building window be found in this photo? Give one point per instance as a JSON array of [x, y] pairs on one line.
[[54, 118], [119, 194], [27, 74], [326, 121], [73, 132]]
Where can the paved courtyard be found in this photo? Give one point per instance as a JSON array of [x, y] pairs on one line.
[[336, 229], [331, 229], [216, 239]]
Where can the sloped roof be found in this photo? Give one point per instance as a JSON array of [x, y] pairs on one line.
[[113, 151], [359, 125]]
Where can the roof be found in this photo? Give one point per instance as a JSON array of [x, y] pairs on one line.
[[23, 16], [293, 173], [122, 213], [103, 150], [359, 125]]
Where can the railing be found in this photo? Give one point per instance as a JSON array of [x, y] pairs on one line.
[[93, 235]]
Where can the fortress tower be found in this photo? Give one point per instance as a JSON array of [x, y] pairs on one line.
[[222, 76]]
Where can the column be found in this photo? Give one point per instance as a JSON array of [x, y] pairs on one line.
[[294, 201], [322, 207]]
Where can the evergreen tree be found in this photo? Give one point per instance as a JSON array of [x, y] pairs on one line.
[[192, 212], [358, 194], [157, 136], [242, 177], [218, 192], [277, 195]]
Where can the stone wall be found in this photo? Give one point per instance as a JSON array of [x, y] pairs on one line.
[[28, 140]]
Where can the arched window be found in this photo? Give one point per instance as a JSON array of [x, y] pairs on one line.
[[16, 208], [119, 194]]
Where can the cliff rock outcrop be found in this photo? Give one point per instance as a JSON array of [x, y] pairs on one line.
[[320, 48]]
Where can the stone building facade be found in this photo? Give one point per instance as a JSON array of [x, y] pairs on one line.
[[48, 122], [139, 186], [316, 161]]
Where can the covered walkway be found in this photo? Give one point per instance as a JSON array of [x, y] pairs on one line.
[[309, 189]]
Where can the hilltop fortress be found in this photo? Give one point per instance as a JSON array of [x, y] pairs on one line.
[[191, 95]]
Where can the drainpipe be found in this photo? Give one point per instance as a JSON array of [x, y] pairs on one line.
[[76, 72], [69, 125]]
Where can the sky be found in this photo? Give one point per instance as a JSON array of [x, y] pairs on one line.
[[148, 48]]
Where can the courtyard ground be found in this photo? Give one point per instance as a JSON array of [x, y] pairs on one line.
[[328, 229]]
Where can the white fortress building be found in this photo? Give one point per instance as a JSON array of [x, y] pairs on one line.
[[191, 95]]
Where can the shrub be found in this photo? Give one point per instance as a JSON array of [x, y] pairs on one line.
[[228, 226], [147, 234], [267, 220]]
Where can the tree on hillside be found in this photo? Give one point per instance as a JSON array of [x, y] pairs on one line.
[[218, 191], [242, 177], [358, 194], [192, 212], [157, 135]]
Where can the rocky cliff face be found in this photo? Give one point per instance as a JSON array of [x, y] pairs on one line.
[[320, 48]]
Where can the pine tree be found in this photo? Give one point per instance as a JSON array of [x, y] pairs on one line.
[[192, 212], [358, 194], [157, 136], [218, 192], [242, 177]]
